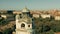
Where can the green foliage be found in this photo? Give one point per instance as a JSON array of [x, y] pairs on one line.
[[7, 31], [56, 26], [50, 32], [1, 33], [43, 25], [3, 21]]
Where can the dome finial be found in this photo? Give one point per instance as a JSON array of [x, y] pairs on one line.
[[25, 9]]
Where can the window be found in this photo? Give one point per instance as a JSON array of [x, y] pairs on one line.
[[22, 25], [20, 15], [28, 25]]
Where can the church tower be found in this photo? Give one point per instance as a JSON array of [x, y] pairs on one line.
[[24, 22]]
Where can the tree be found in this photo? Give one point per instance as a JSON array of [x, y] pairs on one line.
[[50, 32], [7, 31], [1, 33]]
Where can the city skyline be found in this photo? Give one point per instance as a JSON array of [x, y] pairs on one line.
[[30, 4]]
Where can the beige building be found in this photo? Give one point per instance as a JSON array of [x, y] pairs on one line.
[[16, 12], [36, 15], [57, 17], [23, 23], [45, 15], [4, 16]]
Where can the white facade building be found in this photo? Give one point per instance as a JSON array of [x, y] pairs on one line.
[[45, 15], [57, 17], [24, 23], [4, 16], [36, 15]]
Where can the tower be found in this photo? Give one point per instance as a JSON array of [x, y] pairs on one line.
[[24, 22]]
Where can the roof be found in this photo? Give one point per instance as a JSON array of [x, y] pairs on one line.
[[25, 9]]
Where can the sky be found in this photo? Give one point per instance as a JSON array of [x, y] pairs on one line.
[[30, 4]]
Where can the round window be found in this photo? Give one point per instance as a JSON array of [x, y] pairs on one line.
[[22, 25]]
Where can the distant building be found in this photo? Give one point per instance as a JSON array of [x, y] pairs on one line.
[[35, 14], [45, 15], [16, 12], [3, 11], [4, 16], [57, 17]]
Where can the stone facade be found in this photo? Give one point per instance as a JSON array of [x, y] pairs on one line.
[[23, 23]]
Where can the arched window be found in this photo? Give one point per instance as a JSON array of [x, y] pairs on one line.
[[20, 15], [22, 25], [28, 25]]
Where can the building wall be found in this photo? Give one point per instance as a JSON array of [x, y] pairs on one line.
[[4, 16], [19, 25], [45, 16], [22, 32], [36, 15], [57, 17]]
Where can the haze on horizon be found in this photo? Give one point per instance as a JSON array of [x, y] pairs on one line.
[[31, 4]]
